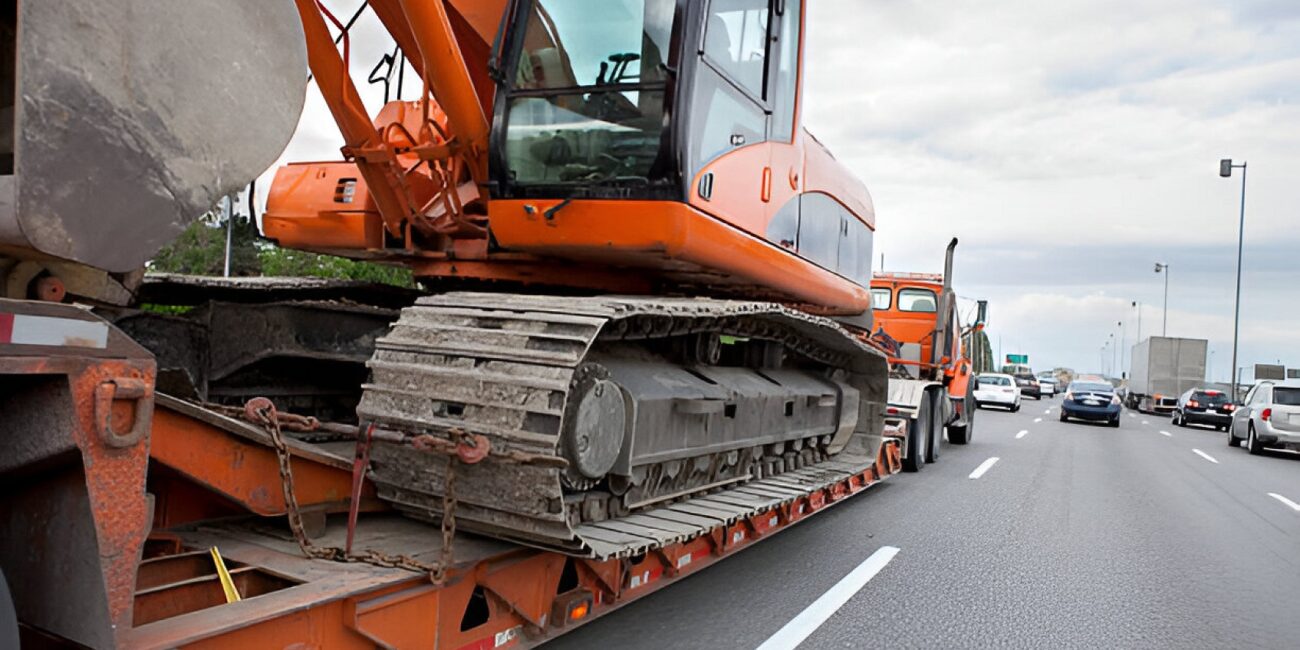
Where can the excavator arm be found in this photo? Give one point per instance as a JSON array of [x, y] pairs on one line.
[[426, 168]]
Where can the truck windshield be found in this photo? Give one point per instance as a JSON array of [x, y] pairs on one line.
[[922, 300], [881, 298], [586, 101]]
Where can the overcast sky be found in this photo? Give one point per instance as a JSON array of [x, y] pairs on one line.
[[1070, 145]]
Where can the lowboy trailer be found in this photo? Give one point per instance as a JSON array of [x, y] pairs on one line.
[[125, 521]]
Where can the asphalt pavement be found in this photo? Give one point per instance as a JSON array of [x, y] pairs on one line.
[[1077, 535]]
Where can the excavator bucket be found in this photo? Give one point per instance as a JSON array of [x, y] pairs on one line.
[[122, 122]]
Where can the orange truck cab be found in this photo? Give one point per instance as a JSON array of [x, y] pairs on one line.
[[932, 376]]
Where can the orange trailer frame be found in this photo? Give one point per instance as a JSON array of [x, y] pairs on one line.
[[496, 595]]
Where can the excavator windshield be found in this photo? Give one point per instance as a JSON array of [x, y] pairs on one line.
[[585, 105]]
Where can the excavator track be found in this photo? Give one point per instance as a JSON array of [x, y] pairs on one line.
[[667, 431]]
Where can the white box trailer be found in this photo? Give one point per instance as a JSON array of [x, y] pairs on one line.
[[1162, 368]]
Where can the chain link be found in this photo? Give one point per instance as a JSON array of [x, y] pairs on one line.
[[266, 413]]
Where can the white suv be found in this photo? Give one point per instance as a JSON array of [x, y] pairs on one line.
[[996, 389], [1269, 417]]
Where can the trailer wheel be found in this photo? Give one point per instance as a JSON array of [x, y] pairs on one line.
[[936, 426], [918, 433], [960, 435]]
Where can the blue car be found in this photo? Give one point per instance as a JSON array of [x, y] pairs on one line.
[[1088, 400]]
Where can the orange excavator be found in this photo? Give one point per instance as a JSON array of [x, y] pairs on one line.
[[557, 155]]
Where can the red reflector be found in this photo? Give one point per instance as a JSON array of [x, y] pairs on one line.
[[1266, 414], [578, 611], [891, 411]]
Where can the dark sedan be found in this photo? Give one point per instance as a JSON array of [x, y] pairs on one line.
[[1029, 386], [1086, 400], [1204, 406]]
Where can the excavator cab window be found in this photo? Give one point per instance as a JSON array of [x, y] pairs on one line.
[[586, 103]]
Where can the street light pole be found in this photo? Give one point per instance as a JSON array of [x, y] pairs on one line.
[[1164, 326], [1138, 306], [1225, 170], [1123, 342]]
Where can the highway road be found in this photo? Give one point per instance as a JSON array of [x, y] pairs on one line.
[[1077, 535]]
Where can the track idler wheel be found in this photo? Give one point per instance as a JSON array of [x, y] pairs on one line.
[[595, 423]]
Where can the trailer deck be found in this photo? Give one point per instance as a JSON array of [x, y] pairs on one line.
[[495, 594]]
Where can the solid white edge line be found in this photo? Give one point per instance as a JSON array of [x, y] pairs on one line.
[[984, 467], [1289, 503], [1023, 433], [812, 617], [1166, 433], [1204, 455]]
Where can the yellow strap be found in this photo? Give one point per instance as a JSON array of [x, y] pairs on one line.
[[227, 584]]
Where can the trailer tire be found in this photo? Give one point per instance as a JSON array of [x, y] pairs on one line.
[[936, 427], [918, 429], [960, 435]]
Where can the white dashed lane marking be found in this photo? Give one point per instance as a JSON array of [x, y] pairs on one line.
[[1204, 455], [1023, 433], [1285, 501], [984, 467], [802, 626], [1166, 433]]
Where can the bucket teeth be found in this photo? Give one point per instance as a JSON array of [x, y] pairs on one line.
[[504, 367]]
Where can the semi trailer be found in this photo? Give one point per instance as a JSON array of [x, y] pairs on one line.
[[624, 365], [1162, 369]]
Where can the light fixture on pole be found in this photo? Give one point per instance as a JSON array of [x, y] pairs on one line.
[[1164, 325], [1225, 170]]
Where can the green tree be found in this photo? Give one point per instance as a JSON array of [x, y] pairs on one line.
[[201, 249], [276, 261]]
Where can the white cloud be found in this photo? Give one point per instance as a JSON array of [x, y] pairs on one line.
[[1045, 134]]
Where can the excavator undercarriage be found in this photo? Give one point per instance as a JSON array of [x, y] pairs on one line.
[[634, 411]]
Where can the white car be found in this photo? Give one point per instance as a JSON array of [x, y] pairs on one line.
[[995, 389], [1047, 385]]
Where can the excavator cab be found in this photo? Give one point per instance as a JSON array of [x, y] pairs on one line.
[[685, 101], [641, 147]]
